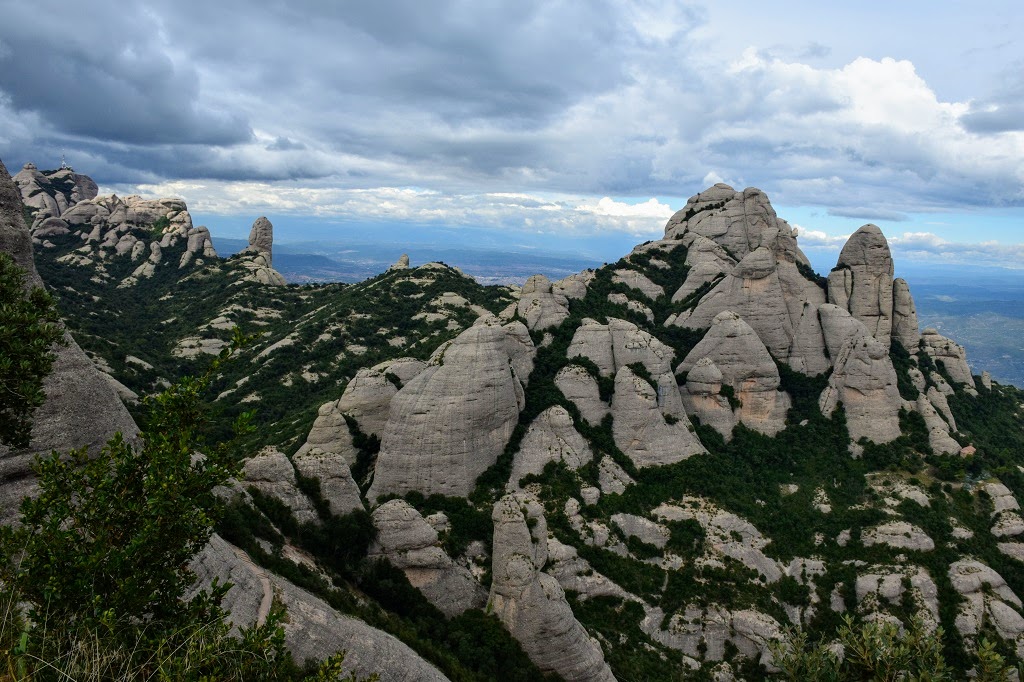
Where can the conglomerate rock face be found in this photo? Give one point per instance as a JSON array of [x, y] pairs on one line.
[[530, 602], [258, 256], [862, 282], [82, 409], [453, 419], [313, 630], [864, 380], [736, 358], [406, 540], [749, 258]]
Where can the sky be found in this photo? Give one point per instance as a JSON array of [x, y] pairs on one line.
[[537, 122]]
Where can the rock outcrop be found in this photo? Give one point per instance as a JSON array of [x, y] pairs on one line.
[[863, 379], [551, 437], [617, 344], [452, 420], [737, 359], [530, 602], [272, 474], [257, 257], [81, 408], [406, 540], [950, 354], [648, 424], [761, 277], [987, 600], [49, 194], [337, 487], [905, 327], [540, 305], [862, 281], [577, 385], [313, 630]]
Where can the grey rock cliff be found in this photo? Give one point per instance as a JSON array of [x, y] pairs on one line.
[[862, 282], [640, 427], [617, 344], [451, 421], [530, 602], [743, 363], [313, 630], [540, 305], [272, 473], [863, 379], [739, 242], [905, 327], [81, 409], [550, 438], [257, 258], [577, 385], [406, 540], [950, 353]]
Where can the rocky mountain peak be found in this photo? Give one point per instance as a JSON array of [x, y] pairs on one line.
[[261, 239]]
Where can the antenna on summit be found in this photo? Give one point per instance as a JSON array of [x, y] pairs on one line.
[[63, 162]]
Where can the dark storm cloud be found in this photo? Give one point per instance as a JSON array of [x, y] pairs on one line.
[[105, 75], [467, 98]]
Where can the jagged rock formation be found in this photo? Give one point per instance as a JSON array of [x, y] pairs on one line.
[[663, 532], [550, 438], [898, 534], [882, 588], [81, 408], [113, 227], [406, 540], [540, 305], [366, 399], [530, 602], [331, 469], [50, 194], [401, 264], [648, 424], [452, 420], [702, 633], [758, 273], [257, 258], [863, 379], [617, 344], [638, 281], [950, 354], [313, 630], [862, 281], [988, 600], [577, 385], [905, 327], [734, 357], [271, 473]]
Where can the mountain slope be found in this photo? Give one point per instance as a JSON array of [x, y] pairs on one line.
[[649, 468]]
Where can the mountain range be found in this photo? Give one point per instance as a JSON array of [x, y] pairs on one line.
[[645, 470]]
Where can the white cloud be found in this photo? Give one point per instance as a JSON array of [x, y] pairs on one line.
[[818, 239], [506, 210]]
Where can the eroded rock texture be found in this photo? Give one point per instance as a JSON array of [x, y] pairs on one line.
[[862, 282], [452, 420], [82, 409], [863, 379], [759, 273], [551, 437], [735, 357], [406, 540], [313, 630], [530, 602], [648, 425]]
